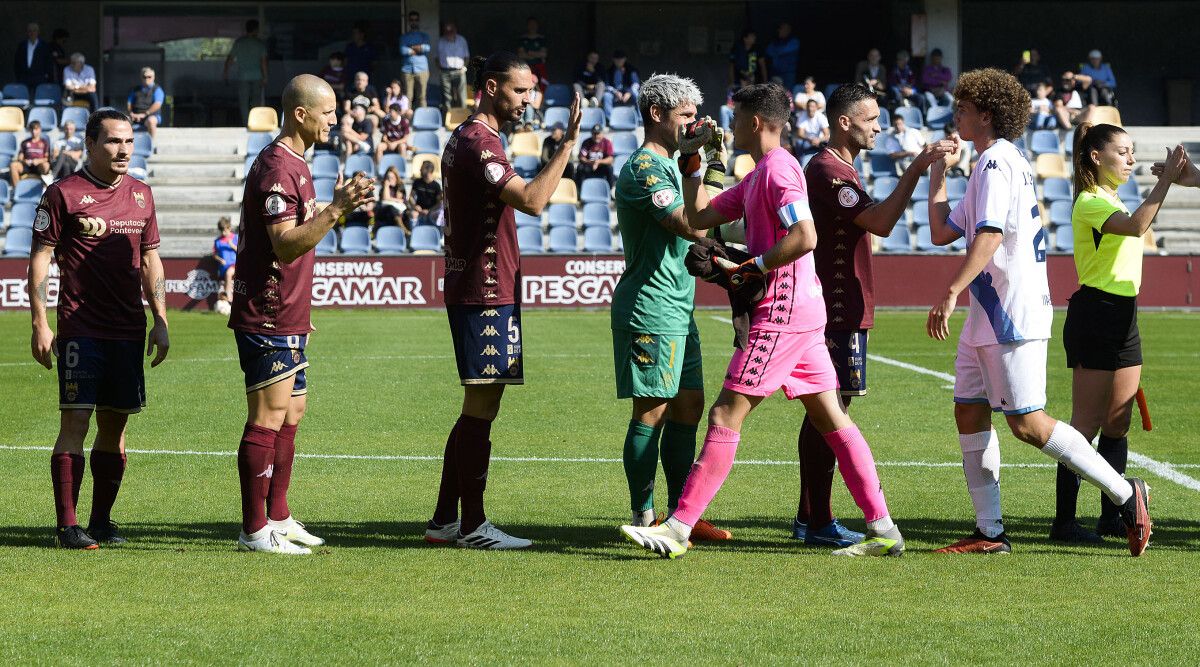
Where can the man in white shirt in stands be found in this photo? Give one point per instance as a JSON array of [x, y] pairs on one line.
[[812, 130], [79, 81], [905, 142], [453, 55]]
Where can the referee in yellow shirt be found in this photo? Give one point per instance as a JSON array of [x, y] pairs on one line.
[[1104, 349]]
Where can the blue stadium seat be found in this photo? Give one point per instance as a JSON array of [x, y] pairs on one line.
[[29, 190], [526, 166], [623, 143], [525, 220], [883, 186], [829, 88], [359, 162], [426, 142], [427, 118], [77, 114], [256, 141], [15, 95], [597, 239], [142, 144], [956, 187], [936, 118], [563, 239], [554, 115], [558, 95], [390, 160], [426, 238], [882, 164], [48, 94], [885, 119], [591, 116], [619, 163], [324, 188], [562, 215], [1020, 144], [1069, 142], [5, 193], [248, 165], [925, 242], [23, 214], [1064, 238], [858, 167], [1060, 213], [390, 240], [529, 240], [325, 166], [920, 214], [1128, 190], [1131, 203], [921, 192], [47, 116], [18, 242], [1045, 141], [356, 241], [137, 168], [594, 191], [624, 118], [912, 116], [8, 143], [596, 215], [328, 244], [898, 241], [1056, 189]]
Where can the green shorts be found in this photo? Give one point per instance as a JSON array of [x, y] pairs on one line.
[[657, 365]]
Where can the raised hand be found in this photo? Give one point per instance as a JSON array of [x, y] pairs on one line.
[[576, 118], [939, 150], [349, 195]]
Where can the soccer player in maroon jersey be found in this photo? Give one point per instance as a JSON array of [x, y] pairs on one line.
[[272, 300], [100, 225], [482, 286], [845, 217]]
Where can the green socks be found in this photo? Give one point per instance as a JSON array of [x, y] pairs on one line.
[[678, 453], [641, 463]]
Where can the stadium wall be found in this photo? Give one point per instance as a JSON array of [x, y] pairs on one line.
[[569, 281]]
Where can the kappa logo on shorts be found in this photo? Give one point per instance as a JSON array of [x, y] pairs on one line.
[[277, 366], [490, 351], [490, 312], [489, 330], [490, 369]]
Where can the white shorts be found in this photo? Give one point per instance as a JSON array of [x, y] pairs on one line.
[[1010, 377]]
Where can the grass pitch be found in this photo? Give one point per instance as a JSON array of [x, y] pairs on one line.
[[383, 383]]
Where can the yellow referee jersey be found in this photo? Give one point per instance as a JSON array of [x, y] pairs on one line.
[[1108, 262]]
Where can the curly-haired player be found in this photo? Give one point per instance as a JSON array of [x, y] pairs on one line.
[[1001, 362]]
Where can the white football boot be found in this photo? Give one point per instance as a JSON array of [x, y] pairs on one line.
[[268, 540], [488, 536], [447, 534], [294, 531]]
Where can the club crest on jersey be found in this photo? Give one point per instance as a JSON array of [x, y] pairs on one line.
[[140, 198], [486, 155], [42, 221], [275, 205], [72, 390], [493, 172], [87, 199], [662, 198], [847, 197]]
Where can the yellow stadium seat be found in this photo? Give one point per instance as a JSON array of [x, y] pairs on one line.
[[263, 119], [1109, 115], [12, 119], [456, 116], [1051, 165], [742, 165], [565, 193], [525, 143], [421, 158]]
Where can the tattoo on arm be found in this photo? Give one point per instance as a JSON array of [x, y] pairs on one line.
[[160, 290], [42, 290]]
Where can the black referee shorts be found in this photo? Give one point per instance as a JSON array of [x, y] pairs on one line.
[[1101, 331]]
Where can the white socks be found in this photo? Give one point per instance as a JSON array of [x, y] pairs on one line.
[[881, 525], [1070, 448], [682, 530], [642, 518], [981, 464]]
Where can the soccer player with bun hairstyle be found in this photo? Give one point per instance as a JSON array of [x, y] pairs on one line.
[[1001, 360], [845, 218], [1103, 345], [100, 225], [482, 286], [786, 343], [272, 304]]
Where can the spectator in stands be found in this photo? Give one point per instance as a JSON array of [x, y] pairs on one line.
[[902, 83], [811, 131], [783, 56], [145, 101], [1041, 108], [905, 143], [621, 84], [335, 74], [595, 158], [58, 52], [225, 253], [533, 109], [392, 201], [453, 56], [33, 156], [395, 131], [937, 81], [550, 146], [68, 152], [810, 92], [873, 73], [360, 54], [355, 132], [363, 94], [746, 61], [79, 82], [425, 198], [1103, 89], [250, 54], [1029, 70], [414, 67], [32, 62], [394, 94], [1069, 104], [590, 82], [531, 47]]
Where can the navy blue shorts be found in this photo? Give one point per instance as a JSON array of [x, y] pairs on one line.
[[269, 359], [487, 343], [97, 374], [848, 350]]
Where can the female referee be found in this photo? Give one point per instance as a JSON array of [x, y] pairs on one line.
[[1104, 349]]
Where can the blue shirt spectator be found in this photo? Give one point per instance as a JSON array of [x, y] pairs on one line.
[[145, 103], [783, 56], [1100, 71], [415, 60]]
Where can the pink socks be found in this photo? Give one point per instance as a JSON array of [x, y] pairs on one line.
[[858, 469], [708, 473]]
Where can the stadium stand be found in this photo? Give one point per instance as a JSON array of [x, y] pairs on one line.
[[78, 115], [390, 240], [47, 94], [529, 239], [556, 115], [525, 220], [596, 215], [558, 95], [325, 166], [263, 119], [28, 191], [525, 143], [359, 162], [18, 242], [624, 118], [12, 119], [356, 241], [563, 240], [427, 119], [597, 239], [526, 166], [561, 215], [898, 241], [426, 240], [47, 116], [565, 193], [16, 95], [328, 244], [594, 190]]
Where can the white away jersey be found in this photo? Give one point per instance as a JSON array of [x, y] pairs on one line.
[[1010, 298]]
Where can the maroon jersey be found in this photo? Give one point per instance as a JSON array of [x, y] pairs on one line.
[[394, 130], [98, 232], [270, 297], [843, 253], [35, 150], [483, 264]]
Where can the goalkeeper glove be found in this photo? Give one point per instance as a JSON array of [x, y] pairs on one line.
[[692, 137], [740, 273]]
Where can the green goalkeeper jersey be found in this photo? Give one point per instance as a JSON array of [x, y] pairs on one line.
[[655, 294]]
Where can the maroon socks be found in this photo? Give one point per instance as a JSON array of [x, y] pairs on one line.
[[108, 469], [447, 502], [473, 451], [817, 463], [281, 475], [66, 472], [256, 465]]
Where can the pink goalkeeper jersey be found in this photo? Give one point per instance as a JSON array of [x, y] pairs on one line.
[[772, 198]]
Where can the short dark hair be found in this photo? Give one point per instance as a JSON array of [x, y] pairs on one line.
[[92, 132], [34, 125], [845, 98], [496, 66], [251, 26], [935, 52], [767, 100]]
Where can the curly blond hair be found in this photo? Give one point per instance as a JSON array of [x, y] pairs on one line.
[[1000, 94]]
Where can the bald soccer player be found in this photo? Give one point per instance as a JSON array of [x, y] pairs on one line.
[[272, 300]]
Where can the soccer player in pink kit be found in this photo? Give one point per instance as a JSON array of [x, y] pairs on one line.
[[786, 340], [272, 301]]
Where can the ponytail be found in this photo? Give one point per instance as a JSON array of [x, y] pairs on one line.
[[495, 66], [1090, 138]]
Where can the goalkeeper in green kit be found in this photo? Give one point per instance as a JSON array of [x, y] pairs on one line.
[[656, 345]]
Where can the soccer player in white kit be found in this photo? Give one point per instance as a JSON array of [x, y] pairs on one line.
[[1001, 362]]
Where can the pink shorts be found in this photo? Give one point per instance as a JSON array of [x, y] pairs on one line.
[[797, 362]]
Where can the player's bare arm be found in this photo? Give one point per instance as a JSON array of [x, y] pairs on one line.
[[940, 231], [154, 288], [42, 340], [800, 240], [1139, 221], [677, 224], [978, 255], [290, 241], [531, 197], [881, 217]]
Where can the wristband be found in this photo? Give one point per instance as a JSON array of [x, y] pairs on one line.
[[758, 261], [691, 165]]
